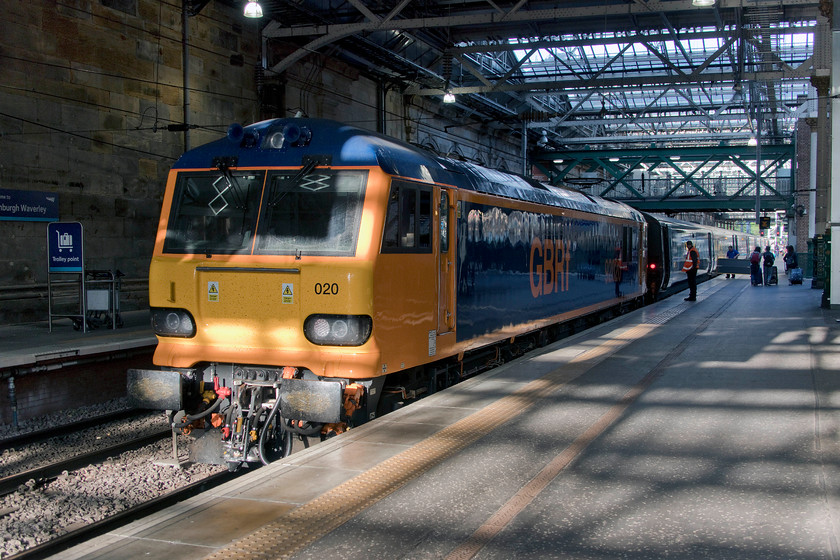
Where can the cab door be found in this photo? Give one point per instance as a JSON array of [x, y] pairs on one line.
[[446, 264]]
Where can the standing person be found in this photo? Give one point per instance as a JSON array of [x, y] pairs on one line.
[[732, 253], [769, 259], [791, 261], [692, 264], [792, 266], [755, 267], [618, 271]]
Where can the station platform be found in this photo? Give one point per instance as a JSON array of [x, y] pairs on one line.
[[27, 345], [704, 429]]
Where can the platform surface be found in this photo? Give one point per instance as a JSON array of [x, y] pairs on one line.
[[28, 344], [703, 429]]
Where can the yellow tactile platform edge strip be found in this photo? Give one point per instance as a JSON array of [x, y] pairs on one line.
[[295, 530]]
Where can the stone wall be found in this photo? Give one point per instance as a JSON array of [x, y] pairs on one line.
[[87, 90]]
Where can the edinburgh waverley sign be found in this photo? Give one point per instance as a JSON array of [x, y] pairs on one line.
[[28, 206]]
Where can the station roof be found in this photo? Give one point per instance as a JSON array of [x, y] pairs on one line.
[[602, 73]]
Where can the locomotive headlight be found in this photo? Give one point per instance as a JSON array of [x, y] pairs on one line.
[[276, 140], [320, 328], [172, 322], [337, 330]]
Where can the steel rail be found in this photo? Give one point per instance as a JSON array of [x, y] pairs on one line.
[[11, 483], [58, 431], [78, 536]]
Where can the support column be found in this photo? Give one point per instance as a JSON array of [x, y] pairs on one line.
[[811, 202], [822, 85], [832, 195], [185, 53], [525, 171], [801, 219]]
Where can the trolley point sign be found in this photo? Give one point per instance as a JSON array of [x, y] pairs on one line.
[[64, 247]]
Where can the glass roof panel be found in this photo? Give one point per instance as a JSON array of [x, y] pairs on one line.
[[639, 77]]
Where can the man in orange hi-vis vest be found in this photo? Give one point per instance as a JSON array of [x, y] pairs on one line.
[[692, 264]]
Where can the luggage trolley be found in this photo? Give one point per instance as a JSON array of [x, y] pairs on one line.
[[102, 295]]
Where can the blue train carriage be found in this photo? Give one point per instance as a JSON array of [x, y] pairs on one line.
[[310, 275], [671, 250], [530, 255], [723, 240]]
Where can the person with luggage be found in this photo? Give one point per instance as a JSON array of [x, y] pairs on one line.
[[732, 253], [791, 261], [792, 269], [768, 258], [690, 267], [755, 267]]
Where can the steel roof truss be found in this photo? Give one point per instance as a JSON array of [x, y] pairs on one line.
[[619, 177], [687, 178], [751, 173]]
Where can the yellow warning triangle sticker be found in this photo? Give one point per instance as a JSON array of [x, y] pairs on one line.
[[287, 291], [213, 289]]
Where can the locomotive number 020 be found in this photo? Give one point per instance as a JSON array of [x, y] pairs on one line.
[[326, 289]]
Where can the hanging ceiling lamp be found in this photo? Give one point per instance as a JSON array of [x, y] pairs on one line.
[[703, 3], [253, 9]]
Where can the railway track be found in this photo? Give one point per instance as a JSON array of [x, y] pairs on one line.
[[29, 438], [106, 468], [82, 534], [42, 474]]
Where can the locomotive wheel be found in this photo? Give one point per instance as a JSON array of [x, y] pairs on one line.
[[277, 444]]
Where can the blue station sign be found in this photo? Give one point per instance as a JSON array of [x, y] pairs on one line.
[[65, 242], [28, 206]]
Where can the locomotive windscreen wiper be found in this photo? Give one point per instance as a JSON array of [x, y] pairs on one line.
[[231, 185], [278, 193]]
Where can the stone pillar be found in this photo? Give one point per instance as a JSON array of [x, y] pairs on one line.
[[806, 174], [822, 85], [833, 195]]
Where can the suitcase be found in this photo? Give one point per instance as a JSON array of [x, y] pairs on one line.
[[774, 276], [795, 276]]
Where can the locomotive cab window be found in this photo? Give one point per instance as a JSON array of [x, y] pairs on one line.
[[214, 213], [408, 220], [444, 222], [303, 213], [318, 213]]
